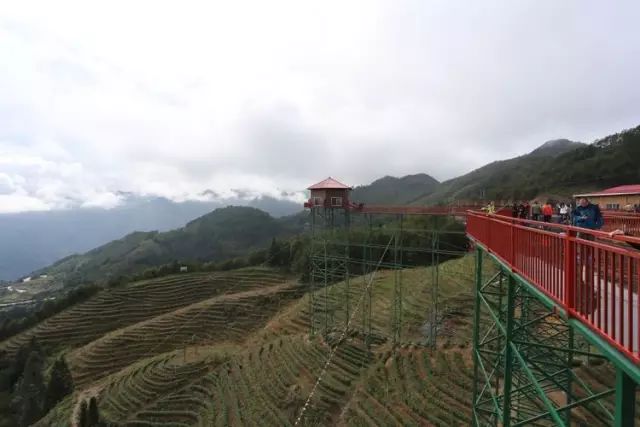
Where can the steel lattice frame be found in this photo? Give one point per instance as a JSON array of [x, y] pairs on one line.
[[525, 357], [330, 263]]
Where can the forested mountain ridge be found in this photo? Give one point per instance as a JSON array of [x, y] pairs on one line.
[[33, 240], [559, 167], [222, 234]]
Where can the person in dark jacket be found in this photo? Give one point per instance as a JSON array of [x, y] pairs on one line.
[[524, 211], [587, 215], [514, 210]]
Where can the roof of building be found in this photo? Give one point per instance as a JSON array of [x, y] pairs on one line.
[[620, 190], [329, 184]]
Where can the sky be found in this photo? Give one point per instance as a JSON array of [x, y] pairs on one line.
[[197, 99]]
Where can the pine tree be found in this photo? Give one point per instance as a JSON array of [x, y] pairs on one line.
[[83, 416], [21, 359], [274, 251], [60, 383], [28, 401], [93, 417]]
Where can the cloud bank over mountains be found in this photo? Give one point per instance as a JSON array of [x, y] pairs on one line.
[[225, 98]]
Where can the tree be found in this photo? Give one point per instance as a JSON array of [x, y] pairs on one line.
[[28, 401], [21, 359], [274, 251], [93, 417], [60, 383], [83, 415]]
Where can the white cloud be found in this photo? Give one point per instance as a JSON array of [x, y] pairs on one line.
[[14, 203], [174, 99]]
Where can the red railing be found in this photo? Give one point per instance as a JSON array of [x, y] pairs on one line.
[[629, 223], [413, 210], [596, 281]]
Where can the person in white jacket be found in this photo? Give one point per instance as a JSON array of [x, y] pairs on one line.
[[564, 213]]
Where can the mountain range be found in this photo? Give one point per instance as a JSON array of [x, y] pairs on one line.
[[34, 240]]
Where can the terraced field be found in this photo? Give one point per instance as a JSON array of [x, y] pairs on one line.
[[117, 308], [233, 349], [454, 294], [414, 388], [226, 318]]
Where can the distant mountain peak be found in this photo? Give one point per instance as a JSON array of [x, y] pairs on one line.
[[555, 147], [394, 190], [414, 178]]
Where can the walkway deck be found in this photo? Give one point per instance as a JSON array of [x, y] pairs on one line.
[[596, 282]]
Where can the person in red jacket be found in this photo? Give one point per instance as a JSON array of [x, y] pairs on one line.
[[547, 212]]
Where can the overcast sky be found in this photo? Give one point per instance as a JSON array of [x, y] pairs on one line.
[[175, 98]]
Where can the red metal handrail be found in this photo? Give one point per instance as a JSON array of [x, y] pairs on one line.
[[630, 224], [596, 282]]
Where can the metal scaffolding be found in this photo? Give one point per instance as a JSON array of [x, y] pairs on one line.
[[530, 362], [346, 247]]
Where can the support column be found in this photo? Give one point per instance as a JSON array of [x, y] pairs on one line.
[[476, 333], [625, 400], [569, 392], [508, 363]]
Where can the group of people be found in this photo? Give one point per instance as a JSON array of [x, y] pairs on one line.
[[584, 215], [632, 208], [538, 212]]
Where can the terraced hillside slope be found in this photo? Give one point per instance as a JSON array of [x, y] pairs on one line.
[[117, 308], [242, 354]]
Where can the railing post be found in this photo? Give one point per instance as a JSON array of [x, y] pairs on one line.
[[569, 271], [487, 221], [512, 252]]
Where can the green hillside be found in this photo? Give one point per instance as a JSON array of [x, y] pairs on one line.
[[222, 234], [559, 167]]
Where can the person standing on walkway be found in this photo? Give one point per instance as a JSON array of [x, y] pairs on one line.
[[524, 214], [514, 210], [490, 208], [564, 213], [587, 215], [547, 212], [536, 211]]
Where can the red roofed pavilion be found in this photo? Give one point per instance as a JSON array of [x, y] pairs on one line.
[[329, 193]]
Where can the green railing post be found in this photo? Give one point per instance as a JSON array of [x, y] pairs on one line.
[[476, 331], [569, 393], [625, 400], [508, 369]]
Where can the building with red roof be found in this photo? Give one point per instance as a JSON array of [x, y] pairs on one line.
[[620, 197], [329, 193]]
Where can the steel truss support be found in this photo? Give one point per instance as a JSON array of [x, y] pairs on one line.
[[329, 264], [342, 249], [396, 313], [530, 364]]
